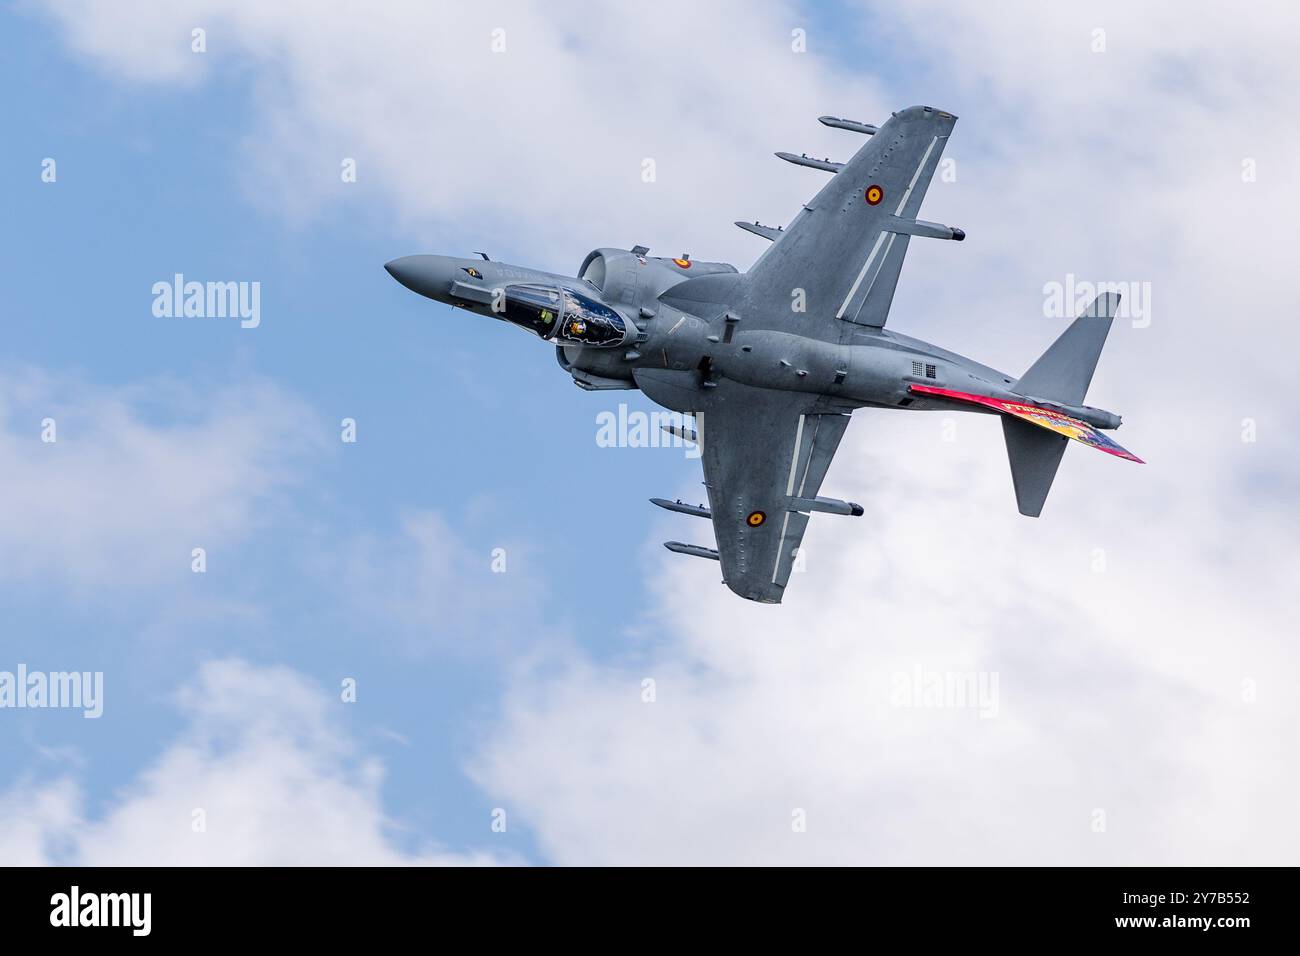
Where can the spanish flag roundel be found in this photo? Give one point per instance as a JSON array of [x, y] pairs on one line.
[[874, 194]]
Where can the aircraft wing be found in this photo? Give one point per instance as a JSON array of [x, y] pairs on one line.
[[765, 453], [845, 248]]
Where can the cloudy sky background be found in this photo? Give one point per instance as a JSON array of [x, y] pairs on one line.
[[1142, 631]]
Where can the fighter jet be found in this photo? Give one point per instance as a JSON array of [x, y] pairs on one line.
[[771, 363]]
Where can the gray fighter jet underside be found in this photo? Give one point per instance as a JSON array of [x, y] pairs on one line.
[[772, 362]]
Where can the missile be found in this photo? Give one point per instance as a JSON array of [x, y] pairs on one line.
[[823, 164], [831, 506], [699, 511], [919, 227], [849, 125], [771, 233], [692, 549], [683, 432]]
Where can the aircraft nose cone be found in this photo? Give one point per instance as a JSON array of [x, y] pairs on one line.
[[405, 270], [430, 276]]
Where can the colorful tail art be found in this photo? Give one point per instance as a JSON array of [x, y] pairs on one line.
[[1047, 418]]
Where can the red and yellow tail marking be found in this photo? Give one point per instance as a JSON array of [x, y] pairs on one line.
[[1047, 418]]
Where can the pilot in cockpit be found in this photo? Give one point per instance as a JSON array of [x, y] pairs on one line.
[[585, 321]]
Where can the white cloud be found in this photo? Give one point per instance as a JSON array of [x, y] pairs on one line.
[[1121, 691], [263, 756], [537, 146], [138, 476]]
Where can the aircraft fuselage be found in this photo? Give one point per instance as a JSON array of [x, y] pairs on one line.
[[665, 321]]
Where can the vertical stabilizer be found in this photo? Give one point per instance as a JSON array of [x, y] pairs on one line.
[[1035, 454], [1063, 373]]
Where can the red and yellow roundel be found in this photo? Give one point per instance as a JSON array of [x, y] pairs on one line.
[[683, 263], [756, 518], [873, 195]]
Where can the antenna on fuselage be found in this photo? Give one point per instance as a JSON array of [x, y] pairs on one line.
[[484, 255]]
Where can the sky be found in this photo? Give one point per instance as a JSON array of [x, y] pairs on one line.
[[439, 643]]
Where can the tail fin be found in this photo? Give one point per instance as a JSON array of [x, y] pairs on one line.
[[1035, 454], [1061, 374], [1064, 371]]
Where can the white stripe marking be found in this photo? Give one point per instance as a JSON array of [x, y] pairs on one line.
[[857, 282], [780, 547], [789, 491], [915, 176], [897, 212], [812, 449], [794, 459], [871, 284]]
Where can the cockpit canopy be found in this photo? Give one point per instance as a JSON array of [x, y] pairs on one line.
[[563, 316]]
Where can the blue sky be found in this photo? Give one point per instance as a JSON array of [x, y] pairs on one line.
[[474, 422], [372, 560], [148, 185]]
